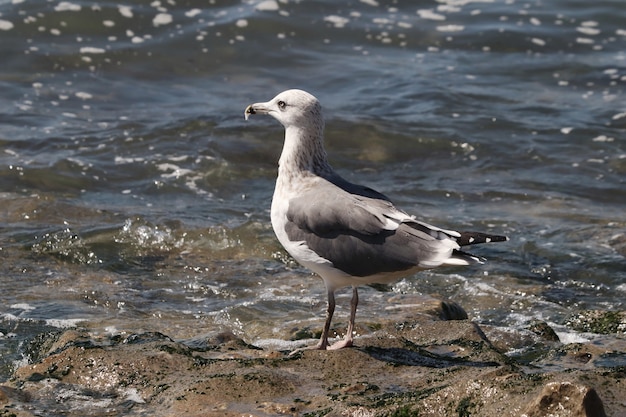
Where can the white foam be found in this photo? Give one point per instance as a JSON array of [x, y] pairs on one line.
[[588, 30], [177, 171], [125, 160], [64, 323], [570, 337], [125, 11], [459, 3], [430, 15], [11, 317], [83, 95], [450, 28], [589, 23], [5, 25], [603, 138], [267, 6], [65, 6], [23, 306], [133, 395], [538, 41], [279, 344], [193, 12], [192, 184], [586, 41], [91, 50], [337, 21], [112, 330], [19, 363], [162, 19]]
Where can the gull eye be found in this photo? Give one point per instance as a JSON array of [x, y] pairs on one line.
[[282, 105]]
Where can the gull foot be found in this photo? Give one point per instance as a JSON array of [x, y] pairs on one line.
[[341, 344], [319, 346], [344, 343]]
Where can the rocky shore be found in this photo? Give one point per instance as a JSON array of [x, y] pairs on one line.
[[427, 365]]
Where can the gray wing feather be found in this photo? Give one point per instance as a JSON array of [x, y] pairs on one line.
[[352, 231], [328, 209]]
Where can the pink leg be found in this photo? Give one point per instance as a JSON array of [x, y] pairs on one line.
[[347, 340], [323, 343]]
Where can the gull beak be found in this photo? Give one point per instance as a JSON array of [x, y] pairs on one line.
[[257, 108]]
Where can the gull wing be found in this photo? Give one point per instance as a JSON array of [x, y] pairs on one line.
[[362, 233]]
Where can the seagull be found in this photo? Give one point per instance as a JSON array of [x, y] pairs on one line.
[[348, 234]]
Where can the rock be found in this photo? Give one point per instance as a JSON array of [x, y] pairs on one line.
[[543, 330], [420, 366], [565, 399], [596, 321], [415, 304], [8, 397], [450, 310]]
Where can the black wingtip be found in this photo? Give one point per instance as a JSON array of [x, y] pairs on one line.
[[468, 257], [474, 238]]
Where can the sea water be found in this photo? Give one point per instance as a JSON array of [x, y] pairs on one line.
[[134, 197]]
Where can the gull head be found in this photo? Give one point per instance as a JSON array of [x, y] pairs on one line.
[[291, 108]]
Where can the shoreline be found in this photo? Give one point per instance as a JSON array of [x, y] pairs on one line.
[[424, 366]]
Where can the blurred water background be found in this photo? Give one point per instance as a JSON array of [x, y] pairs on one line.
[[134, 196]]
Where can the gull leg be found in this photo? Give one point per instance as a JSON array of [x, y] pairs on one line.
[[347, 341], [323, 343]]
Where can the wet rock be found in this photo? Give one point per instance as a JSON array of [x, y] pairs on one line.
[[419, 367], [451, 311], [8, 397], [565, 399], [543, 330], [460, 340], [413, 305], [584, 356], [601, 322], [523, 346]]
